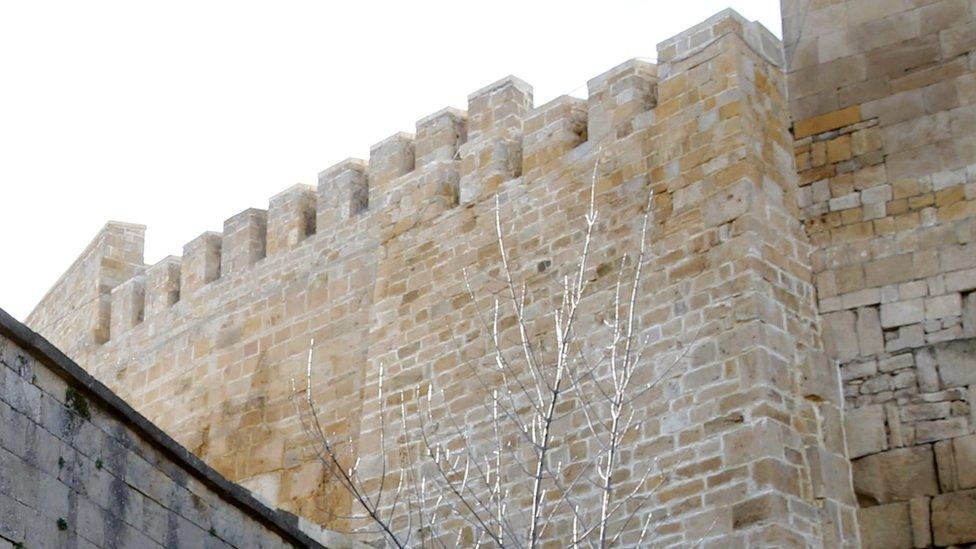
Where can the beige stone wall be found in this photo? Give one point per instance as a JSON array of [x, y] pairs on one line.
[[883, 98], [77, 472], [369, 265]]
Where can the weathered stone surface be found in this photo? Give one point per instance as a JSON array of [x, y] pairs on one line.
[[865, 428], [79, 473], [956, 362], [886, 526], [840, 335], [902, 312], [896, 475], [954, 518], [921, 522]]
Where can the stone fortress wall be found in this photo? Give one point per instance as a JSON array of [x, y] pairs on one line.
[[877, 165], [883, 98]]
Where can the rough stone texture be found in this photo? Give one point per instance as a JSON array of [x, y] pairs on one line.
[[886, 527], [883, 101], [369, 266], [78, 470], [952, 515]]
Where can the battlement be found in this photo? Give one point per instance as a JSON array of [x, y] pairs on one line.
[[455, 157]]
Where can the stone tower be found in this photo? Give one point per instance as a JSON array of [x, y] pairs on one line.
[[883, 101]]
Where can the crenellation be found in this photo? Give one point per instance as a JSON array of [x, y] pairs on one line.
[[551, 131], [291, 218], [493, 151], [162, 285], [388, 160], [439, 136], [244, 240], [200, 264], [617, 97], [128, 304], [499, 106], [343, 193]]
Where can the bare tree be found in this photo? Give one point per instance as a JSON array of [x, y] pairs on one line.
[[508, 476]]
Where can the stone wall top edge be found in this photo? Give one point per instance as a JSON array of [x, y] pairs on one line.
[[387, 157], [284, 524], [727, 21], [83, 258]]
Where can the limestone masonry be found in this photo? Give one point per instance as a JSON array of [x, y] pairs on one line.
[[78, 468], [813, 246]]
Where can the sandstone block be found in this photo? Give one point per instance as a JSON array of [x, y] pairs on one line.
[[865, 428], [840, 335], [886, 526], [956, 362], [729, 204], [901, 313], [969, 316], [827, 122], [943, 306], [961, 281], [954, 518], [941, 429], [964, 459], [921, 523], [896, 475], [889, 270]]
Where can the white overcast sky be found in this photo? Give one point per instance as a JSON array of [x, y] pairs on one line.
[[178, 114]]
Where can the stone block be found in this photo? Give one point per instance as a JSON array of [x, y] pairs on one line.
[[956, 362], [941, 429], [901, 313], [869, 336], [969, 315], [896, 475], [728, 204], [865, 429], [889, 270], [886, 526], [961, 281], [826, 122], [964, 459], [921, 523], [954, 518], [943, 306], [840, 335]]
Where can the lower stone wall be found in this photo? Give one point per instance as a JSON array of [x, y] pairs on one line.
[[914, 457], [76, 470]]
